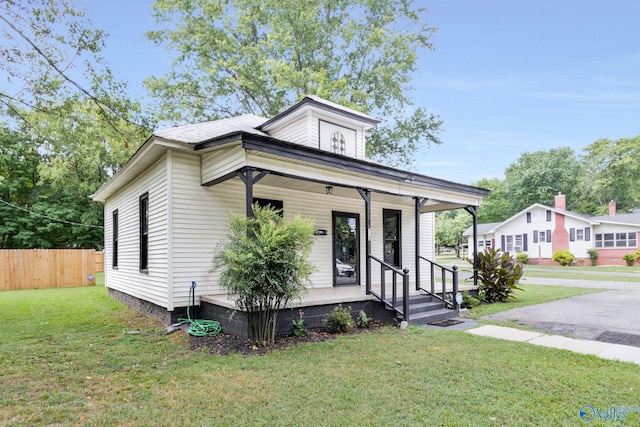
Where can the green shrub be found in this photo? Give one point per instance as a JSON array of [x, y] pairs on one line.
[[264, 264], [593, 256], [498, 274], [562, 257], [469, 301], [339, 320], [630, 259], [298, 325], [363, 321], [522, 258]]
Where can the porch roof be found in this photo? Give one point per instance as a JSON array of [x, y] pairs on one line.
[[408, 182], [209, 136]]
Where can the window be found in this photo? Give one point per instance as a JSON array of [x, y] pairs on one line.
[[114, 252], [276, 204], [548, 216], [528, 217], [542, 236], [391, 232], [579, 234], [518, 245], [143, 207], [618, 240]]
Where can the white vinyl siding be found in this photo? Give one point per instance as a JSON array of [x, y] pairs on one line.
[[219, 163], [298, 131], [152, 285]]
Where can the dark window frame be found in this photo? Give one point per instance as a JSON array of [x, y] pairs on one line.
[[114, 239], [394, 244], [143, 210]]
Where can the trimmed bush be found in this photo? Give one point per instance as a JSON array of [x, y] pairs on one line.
[[563, 257], [630, 259], [339, 320], [522, 258], [593, 256]]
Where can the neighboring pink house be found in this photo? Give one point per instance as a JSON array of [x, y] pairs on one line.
[[541, 230]]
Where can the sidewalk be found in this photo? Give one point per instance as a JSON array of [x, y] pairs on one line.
[[624, 353]]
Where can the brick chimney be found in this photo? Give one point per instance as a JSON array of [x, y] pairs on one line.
[[612, 208], [560, 201]]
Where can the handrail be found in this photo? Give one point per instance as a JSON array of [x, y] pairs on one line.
[[443, 270], [404, 273]]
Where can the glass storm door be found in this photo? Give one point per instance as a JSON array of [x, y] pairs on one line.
[[346, 249]]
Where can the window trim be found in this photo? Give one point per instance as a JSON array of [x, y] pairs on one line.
[[114, 239], [143, 211]]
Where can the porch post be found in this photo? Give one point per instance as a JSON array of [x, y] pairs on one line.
[[473, 210], [366, 196], [248, 179], [420, 202]]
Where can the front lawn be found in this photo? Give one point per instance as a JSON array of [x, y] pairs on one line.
[[531, 295], [75, 357]]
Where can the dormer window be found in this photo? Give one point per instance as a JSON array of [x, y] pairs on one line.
[[338, 144], [337, 139]]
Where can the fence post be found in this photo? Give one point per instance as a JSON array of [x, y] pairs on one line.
[[405, 291], [455, 287]]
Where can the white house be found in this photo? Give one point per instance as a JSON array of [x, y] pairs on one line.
[[167, 207], [541, 230]]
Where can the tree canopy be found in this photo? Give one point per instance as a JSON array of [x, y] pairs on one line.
[[606, 170], [243, 56], [66, 124]]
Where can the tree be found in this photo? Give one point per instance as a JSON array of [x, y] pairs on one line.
[[63, 99], [19, 161], [614, 172], [244, 56], [536, 177], [80, 157], [449, 228], [495, 208], [264, 264], [51, 53]]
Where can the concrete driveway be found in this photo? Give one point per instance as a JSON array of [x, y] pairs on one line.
[[612, 316]]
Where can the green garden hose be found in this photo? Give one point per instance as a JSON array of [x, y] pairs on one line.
[[199, 327]]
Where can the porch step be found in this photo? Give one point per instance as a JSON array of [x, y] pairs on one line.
[[424, 309]]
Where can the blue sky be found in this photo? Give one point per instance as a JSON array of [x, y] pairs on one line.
[[506, 77]]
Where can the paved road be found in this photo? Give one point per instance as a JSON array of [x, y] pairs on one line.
[[612, 316]]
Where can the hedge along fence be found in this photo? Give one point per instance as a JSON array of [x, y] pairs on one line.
[[48, 268]]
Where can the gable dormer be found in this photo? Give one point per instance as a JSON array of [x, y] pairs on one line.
[[318, 123]]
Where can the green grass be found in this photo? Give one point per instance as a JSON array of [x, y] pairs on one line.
[[558, 272], [530, 295], [76, 357]]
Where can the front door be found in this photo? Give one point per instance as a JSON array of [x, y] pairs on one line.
[[346, 249]]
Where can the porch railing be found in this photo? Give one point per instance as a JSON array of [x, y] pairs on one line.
[[396, 273], [444, 273]]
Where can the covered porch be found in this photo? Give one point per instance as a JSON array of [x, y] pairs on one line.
[[373, 250]]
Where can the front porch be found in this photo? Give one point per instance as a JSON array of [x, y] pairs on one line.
[[318, 302]]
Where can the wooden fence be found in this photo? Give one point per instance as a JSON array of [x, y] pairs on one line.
[[49, 268]]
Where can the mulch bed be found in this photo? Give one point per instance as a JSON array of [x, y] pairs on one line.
[[224, 344]]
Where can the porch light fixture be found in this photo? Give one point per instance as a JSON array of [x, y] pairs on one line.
[[329, 189]]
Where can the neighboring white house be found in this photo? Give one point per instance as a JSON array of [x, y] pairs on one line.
[[541, 230], [166, 208]]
